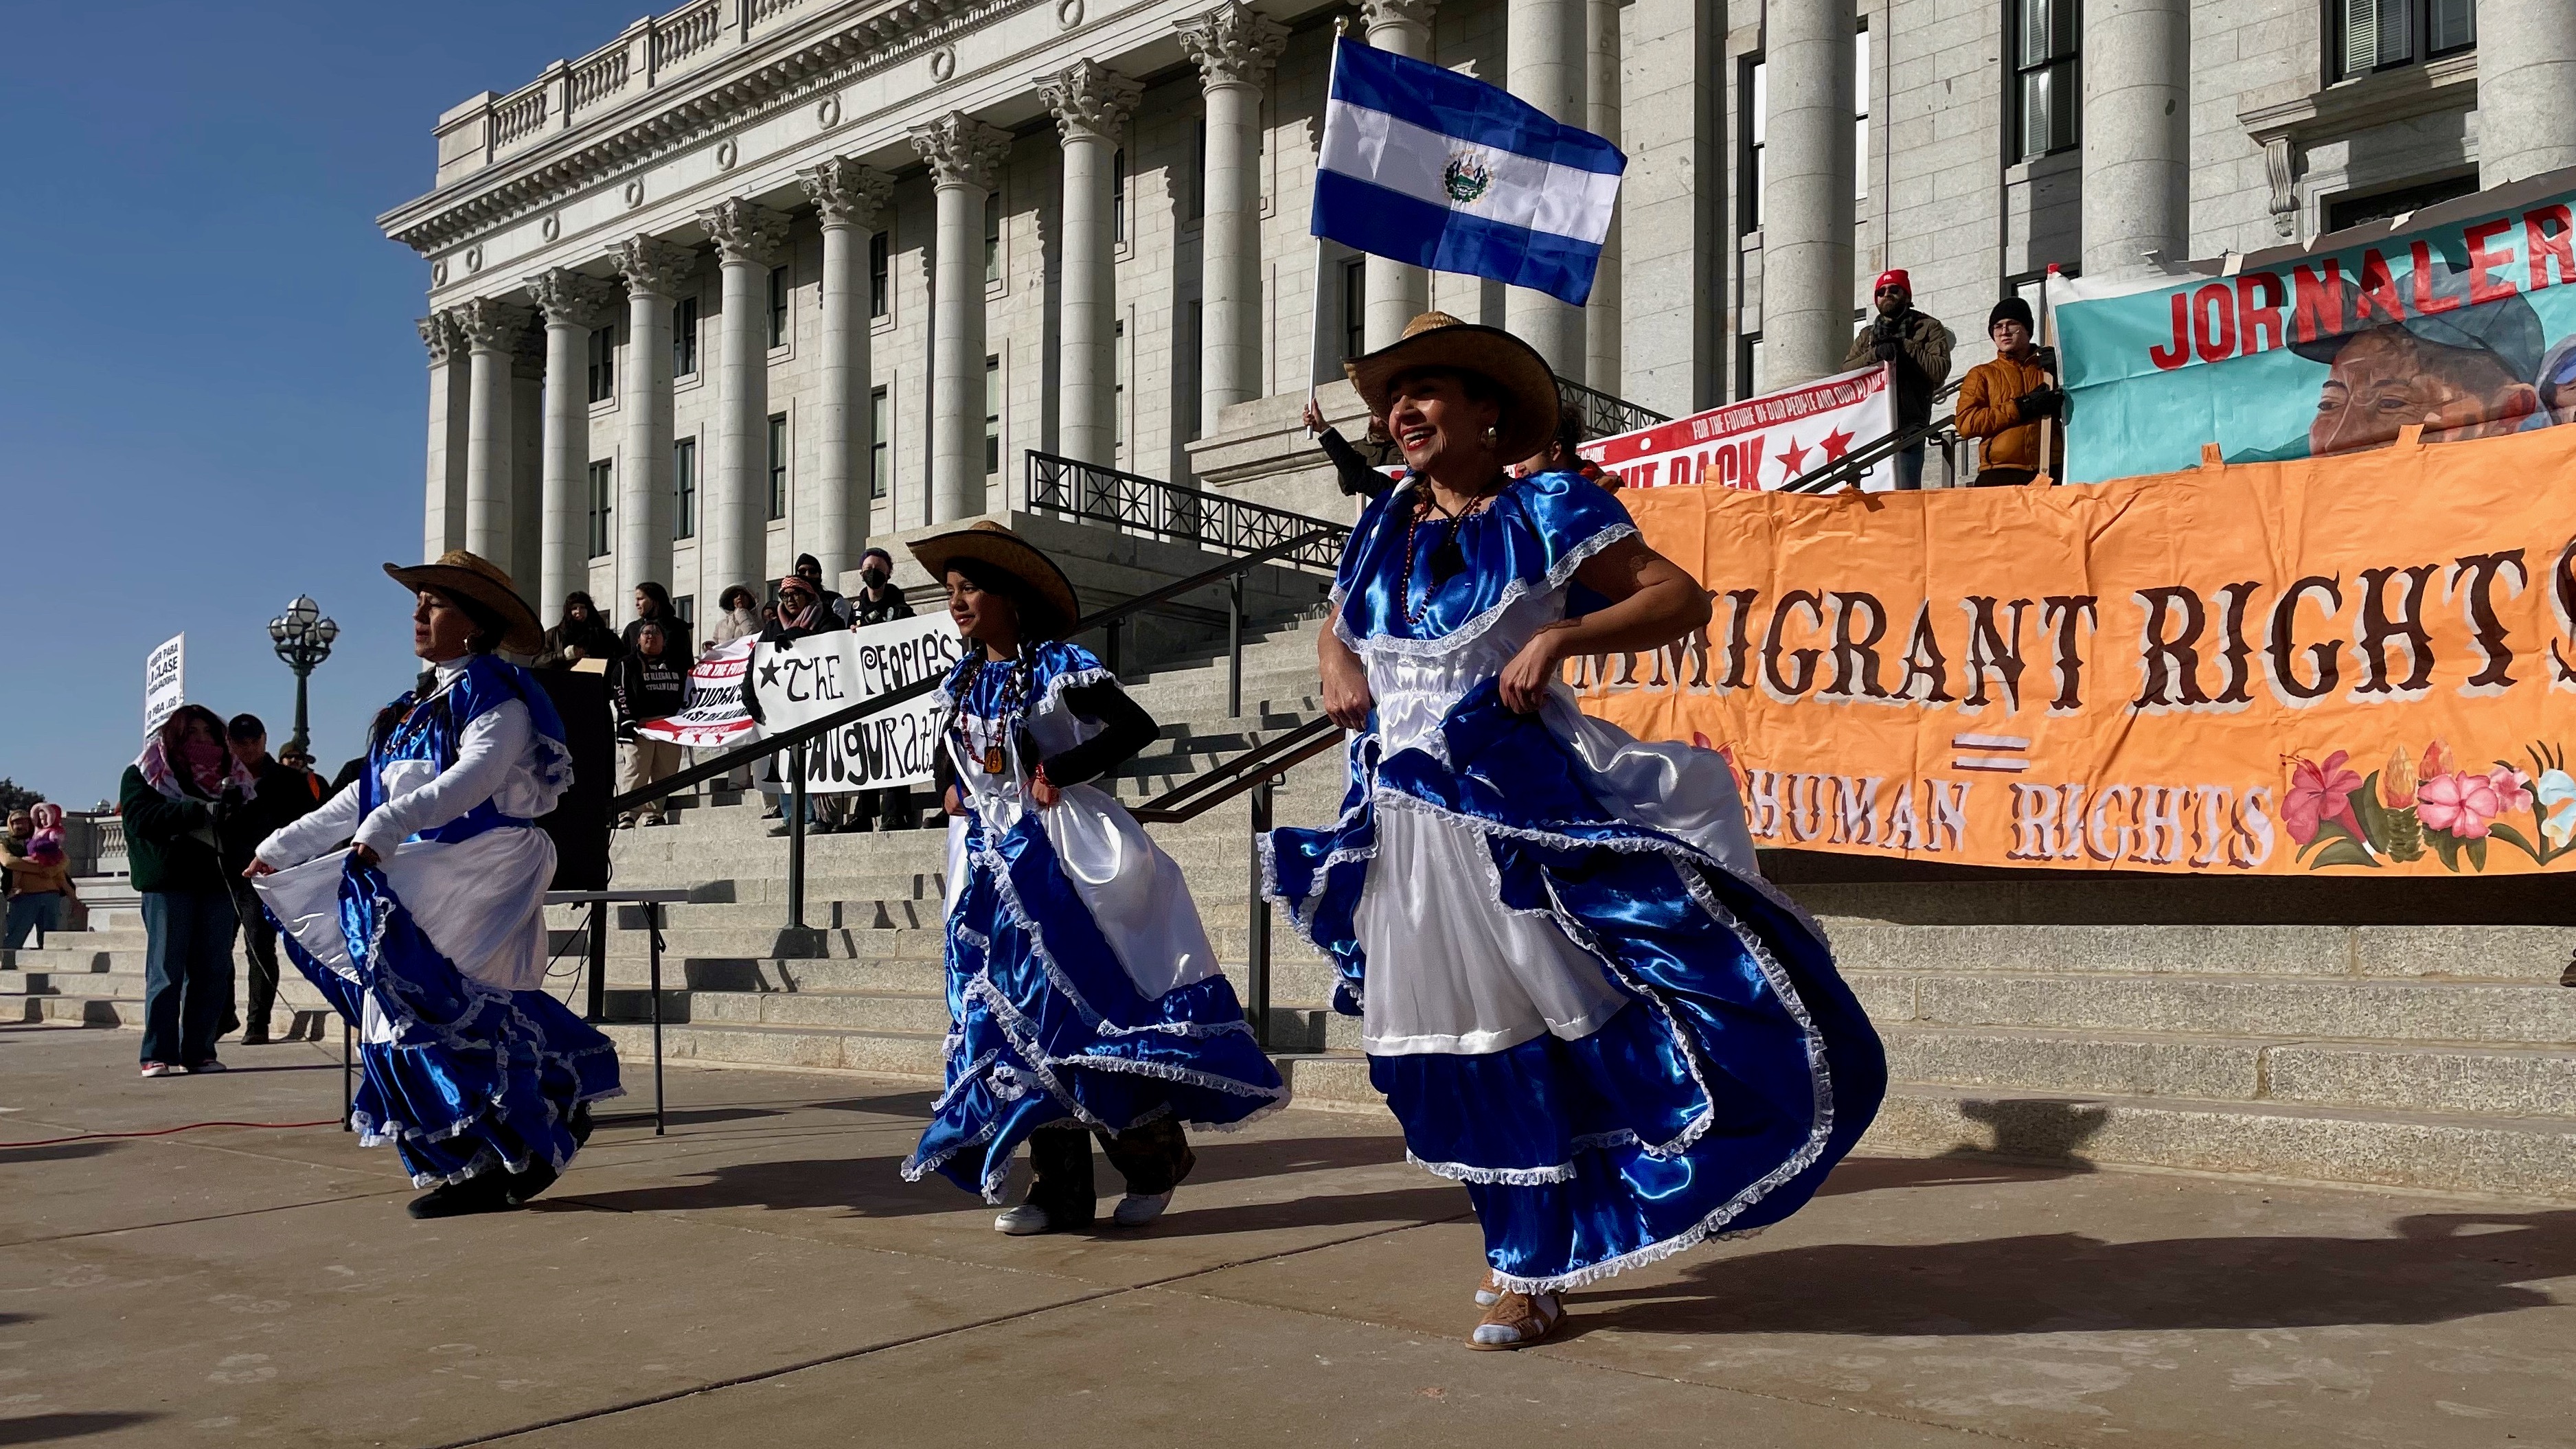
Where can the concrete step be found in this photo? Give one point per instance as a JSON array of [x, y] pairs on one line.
[[292, 1020], [2494, 953], [897, 1054], [861, 1011], [2526, 1157], [2352, 1010]]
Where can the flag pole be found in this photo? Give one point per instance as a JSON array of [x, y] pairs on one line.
[[2048, 338], [1315, 334]]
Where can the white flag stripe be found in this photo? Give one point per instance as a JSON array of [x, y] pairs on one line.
[[1412, 161]]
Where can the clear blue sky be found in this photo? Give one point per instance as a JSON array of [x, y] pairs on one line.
[[211, 393]]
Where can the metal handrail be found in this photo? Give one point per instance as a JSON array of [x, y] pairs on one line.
[[1170, 510], [1603, 415]]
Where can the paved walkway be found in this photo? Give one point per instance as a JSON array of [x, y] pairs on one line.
[[761, 1276]]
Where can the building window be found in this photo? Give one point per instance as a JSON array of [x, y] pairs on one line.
[[2344, 211], [777, 306], [1860, 113], [1753, 93], [684, 338], [880, 443], [777, 466], [2369, 35], [992, 415], [1198, 173], [1354, 306], [1118, 390], [603, 363], [1190, 344], [880, 277], [2048, 91], [1118, 197], [684, 488], [993, 235], [685, 609], [603, 501]]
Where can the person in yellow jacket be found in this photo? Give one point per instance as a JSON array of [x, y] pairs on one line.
[[2004, 402]]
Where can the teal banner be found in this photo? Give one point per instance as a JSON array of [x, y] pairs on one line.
[[2467, 328]]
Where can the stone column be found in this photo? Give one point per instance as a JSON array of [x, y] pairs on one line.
[[1544, 42], [491, 329], [851, 200], [653, 269], [748, 237], [1235, 46], [2137, 135], [1601, 315], [443, 512], [1807, 196], [572, 304], [2526, 75], [965, 158], [1397, 291], [1090, 103]]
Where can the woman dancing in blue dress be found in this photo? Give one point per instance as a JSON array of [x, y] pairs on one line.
[[1083, 994], [428, 931], [1577, 993]]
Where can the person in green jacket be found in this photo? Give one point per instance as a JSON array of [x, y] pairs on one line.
[[169, 800]]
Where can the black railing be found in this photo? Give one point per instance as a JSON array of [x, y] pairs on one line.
[[1603, 415], [1170, 510]]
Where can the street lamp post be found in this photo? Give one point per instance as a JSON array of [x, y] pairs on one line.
[[302, 637]]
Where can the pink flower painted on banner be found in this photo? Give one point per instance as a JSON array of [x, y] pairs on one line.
[[2459, 804], [2319, 793], [2512, 789]]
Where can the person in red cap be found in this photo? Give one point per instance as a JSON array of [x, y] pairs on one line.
[[1920, 347]]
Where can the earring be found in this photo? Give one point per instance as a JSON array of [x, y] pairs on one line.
[[1492, 437]]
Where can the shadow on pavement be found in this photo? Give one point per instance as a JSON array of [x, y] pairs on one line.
[[685, 1116], [2439, 1267], [48, 1428], [60, 1152], [1953, 1169], [1413, 1205]]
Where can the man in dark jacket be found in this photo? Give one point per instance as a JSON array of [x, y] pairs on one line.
[[878, 601], [1919, 346], [650, 683], [801, 615], [810, 569], [279, 795], [167, 799]]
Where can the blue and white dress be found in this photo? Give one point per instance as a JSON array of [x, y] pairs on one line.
[[1577, 993], [439, 954], [1081, 986]]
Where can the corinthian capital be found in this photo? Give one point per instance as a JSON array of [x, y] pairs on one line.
[[1234, 44], [745, 231], [961, 150], [492, 325], [570, 298], [1376, 15], [438, 333], [1090, 100], [652, 265], [846, 193]]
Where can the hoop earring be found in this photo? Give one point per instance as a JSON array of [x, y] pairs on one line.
[[1492, 436]]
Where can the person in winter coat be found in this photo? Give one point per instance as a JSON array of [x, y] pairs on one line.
[[1920, 347], [169, 797], [801, 614], [738, 617], [652, 601], [650, 683], [2004, 402], [279, 796], [878, 601], [582, 635]]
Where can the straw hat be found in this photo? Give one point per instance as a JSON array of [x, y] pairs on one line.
[[1436, 339], [1048, 607], [475, 578]]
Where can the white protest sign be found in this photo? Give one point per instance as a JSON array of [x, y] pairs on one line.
[[804, 680], [1761, 442], [714, 716], [165, 681]]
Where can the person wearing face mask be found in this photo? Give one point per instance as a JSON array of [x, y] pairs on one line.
[[878, 601], [801, 614], [169, 798], [428, 932]]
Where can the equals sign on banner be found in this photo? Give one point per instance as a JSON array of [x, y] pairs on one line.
[[2005, 753]]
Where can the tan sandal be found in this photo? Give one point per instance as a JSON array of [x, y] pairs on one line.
[[1491, 1293], [1518, 1320]]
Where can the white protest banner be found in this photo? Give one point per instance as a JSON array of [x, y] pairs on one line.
[[1761, 442], [804, 680], [165, 681], [714, 717]]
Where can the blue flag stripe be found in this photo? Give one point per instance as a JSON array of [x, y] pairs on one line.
[[1462, 106], [1401, 228]]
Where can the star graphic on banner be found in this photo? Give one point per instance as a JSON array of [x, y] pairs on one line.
[[1793, 458], [1836, 444], [769, 673]]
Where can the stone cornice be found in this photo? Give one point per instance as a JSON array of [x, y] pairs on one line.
[[1234, 44], [771, 76], [961, 150], [745, 231], [570, 298], [1090, 100], [490, 324], [846, 193], [652, 265]]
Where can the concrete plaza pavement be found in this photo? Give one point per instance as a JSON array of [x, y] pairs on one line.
[[762, 1276]]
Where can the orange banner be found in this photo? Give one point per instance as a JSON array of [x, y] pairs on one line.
[[2346, 664]]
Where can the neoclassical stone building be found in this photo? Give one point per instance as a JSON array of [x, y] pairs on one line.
[[762, 277]]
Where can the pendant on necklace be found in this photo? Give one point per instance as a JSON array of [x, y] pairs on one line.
[[1447, 561], [993, 760]]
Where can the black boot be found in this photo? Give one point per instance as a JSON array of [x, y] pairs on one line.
[[581, 1124], [536, 1178], [485, 1192]]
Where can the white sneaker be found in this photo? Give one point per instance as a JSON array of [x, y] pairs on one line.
[[161, 1069], [1026, 1220], [1135, 1210]]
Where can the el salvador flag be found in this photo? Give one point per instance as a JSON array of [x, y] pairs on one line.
[[1427, 166]]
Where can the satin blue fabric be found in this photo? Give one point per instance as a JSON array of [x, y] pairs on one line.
[[1046, 1024], [475, 1077], [1530, 529], [1740, 1071], [432, 731]]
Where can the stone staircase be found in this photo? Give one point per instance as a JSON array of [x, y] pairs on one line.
[[2407, 1035]]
